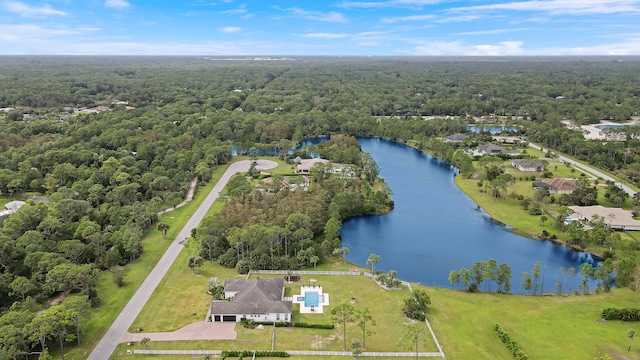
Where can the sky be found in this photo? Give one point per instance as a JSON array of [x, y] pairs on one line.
[[320, 27]]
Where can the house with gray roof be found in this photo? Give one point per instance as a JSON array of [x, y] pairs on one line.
[[527, 164], [259, 300], [459, 137]]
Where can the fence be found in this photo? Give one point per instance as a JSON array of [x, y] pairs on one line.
[[293, 352], [303, 272]]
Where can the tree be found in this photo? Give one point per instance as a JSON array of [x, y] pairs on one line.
[[343, 314], [465, 276], [163, 227], [526, 281], [631, 334], [78, 305], [357, 349], [314, 260], [371, 261], [343, 251], [364, 316], [145, 341], [195, 262], [21, 286], [543, 218], [412, 336], [415, 307], [586, 269], [454, 278]]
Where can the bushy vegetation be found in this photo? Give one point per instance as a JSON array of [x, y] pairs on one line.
[[511, 344], [249, 353], [624, 314]]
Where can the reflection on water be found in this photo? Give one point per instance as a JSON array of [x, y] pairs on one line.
[[435, 228]]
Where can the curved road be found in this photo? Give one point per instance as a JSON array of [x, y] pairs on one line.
[[119, 328], [589, 169]]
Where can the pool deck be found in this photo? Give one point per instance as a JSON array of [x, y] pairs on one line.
[[323, 299]]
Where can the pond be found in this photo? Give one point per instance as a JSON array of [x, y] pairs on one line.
[[491, 129], [435, 228]]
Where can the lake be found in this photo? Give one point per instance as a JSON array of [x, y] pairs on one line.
[[435, 228]]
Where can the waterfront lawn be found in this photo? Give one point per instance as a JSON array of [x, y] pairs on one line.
[[113, 298], [546, 327], [162, 313]]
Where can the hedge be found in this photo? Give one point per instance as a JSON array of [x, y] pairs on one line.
[[511, 344], [297, 324], [625, 314], [249, 353]]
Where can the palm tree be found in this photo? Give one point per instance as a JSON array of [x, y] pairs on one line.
[[164, 227], [631, 334], [314, 259], [372, 260]]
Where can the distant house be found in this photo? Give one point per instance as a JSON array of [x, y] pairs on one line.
[[527, 164], [560, 185], [491, 149], [615, 218], [305, 165], [456, 138], [291, 183], [258, 300], [11, 207]]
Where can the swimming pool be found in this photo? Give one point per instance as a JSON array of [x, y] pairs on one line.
[[311, 298]]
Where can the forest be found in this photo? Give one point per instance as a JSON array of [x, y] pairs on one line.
[[102, 144]]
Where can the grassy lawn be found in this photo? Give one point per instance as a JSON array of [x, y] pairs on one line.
[[171, 307], [546, 327], [114, 298]]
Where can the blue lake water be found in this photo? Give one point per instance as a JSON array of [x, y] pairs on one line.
[[603, 127], [435, 228]]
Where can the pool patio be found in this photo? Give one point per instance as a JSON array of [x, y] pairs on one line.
[[311, 299]]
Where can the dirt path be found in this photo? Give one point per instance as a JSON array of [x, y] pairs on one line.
[[187, 199]]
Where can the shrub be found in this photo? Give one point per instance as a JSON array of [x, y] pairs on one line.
[[511, 344], [625, 314], [248, 353]]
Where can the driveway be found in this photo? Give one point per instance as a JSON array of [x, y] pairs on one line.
[[201, 330], [589, 169], [119, 328]]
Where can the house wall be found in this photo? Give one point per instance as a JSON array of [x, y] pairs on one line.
[[286, 317]]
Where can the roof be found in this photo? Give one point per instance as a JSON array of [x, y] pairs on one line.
[[307, 164], [614, 217], [14, 205], [457, 137], [492, 148], [262, 296], [561, 184], [527, 163]]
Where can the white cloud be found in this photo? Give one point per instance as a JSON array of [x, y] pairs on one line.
[[239, 11], [387, 4], [493, 31], [563, 7], [331, 16], [325, 36], [458, 19], [453, 48], [230, 29], [25, 10], [117, 4], [392, 20]]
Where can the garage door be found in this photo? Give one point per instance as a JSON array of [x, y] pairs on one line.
[[229, 318]]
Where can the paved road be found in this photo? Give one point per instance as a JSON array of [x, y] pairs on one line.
[[590, 169], [119, 328]]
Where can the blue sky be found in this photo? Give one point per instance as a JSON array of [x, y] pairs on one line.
[[320, 27]]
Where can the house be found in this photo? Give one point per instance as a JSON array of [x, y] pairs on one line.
[[342, 170], [527, 164], [305, 165], [491, 149], [615, 218], [11, 207], [456, 138], [291, 183], [259, 300], [560, 186]]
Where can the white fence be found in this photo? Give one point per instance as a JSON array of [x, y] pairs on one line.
[[304, 272], [293, 352]]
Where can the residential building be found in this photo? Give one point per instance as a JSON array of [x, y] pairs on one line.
[[259, 300]]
